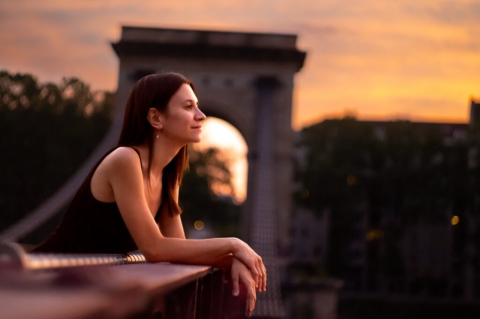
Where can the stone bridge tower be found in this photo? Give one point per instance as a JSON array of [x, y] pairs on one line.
[[247, 80]]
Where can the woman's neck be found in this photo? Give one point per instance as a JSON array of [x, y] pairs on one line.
[[164, 150]]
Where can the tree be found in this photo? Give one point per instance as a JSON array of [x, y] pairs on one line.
[[390, 174], [337, 174], [46, 132], [206, 193]]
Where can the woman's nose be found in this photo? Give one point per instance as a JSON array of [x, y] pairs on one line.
[[200, 116]]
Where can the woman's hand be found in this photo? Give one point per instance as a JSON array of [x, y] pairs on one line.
[[241, 273], [253, 261]]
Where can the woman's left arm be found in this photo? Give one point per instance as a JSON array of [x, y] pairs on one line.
[[172, 226]]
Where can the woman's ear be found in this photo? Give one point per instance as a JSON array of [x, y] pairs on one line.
[[155, 118]]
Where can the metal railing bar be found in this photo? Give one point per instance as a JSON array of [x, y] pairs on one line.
[[12, 256]]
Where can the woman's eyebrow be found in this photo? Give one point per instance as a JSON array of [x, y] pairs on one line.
[[191, 100]]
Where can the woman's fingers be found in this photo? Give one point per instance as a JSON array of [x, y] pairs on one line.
[[250, 305], [251, 299], [258, 275], [240, 272], [255, 274], [265, 279], [235, 284], [261, 283], [254, 263]]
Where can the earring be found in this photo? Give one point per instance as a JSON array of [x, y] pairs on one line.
[[158, 135]]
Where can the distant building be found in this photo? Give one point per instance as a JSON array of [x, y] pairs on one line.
[[451, 131], [436, 259], [474, 112], [426, 249], [309, 236]]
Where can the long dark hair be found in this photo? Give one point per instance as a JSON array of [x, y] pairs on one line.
[[155, 91]]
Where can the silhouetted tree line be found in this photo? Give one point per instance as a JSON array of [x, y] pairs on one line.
[[48, 130], [395, 175], [207, 177]]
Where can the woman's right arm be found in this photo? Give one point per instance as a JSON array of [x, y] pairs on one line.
[[125, 178]]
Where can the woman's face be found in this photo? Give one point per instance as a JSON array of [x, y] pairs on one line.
[[183, 119]]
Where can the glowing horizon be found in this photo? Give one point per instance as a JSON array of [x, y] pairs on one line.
[[224, 136], [403, 59]]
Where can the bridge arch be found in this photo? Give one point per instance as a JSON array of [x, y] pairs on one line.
[[228, 114], [245, 79]]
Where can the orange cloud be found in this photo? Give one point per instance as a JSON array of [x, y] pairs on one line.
[[376, 58]]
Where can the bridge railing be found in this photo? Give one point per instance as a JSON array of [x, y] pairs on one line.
[[83, 286]]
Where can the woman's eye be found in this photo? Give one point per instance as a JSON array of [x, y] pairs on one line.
[[189, 106]]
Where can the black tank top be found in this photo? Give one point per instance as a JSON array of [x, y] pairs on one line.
[[90, 226]]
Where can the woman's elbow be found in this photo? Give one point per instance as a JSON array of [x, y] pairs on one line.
[[153, 255]]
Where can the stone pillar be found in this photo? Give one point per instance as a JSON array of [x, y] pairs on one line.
[[263, 223]]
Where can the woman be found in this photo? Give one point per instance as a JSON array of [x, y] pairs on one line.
[[129, 200]]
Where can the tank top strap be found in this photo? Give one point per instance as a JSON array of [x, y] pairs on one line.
[[138, 153]]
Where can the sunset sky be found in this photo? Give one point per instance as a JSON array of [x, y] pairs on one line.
[[411, 59], [403, 59]]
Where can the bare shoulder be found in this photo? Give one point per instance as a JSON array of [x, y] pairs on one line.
[[121, 158], [119, 167], [121, 162]]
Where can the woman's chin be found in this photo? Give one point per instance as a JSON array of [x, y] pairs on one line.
[[197, 139]]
